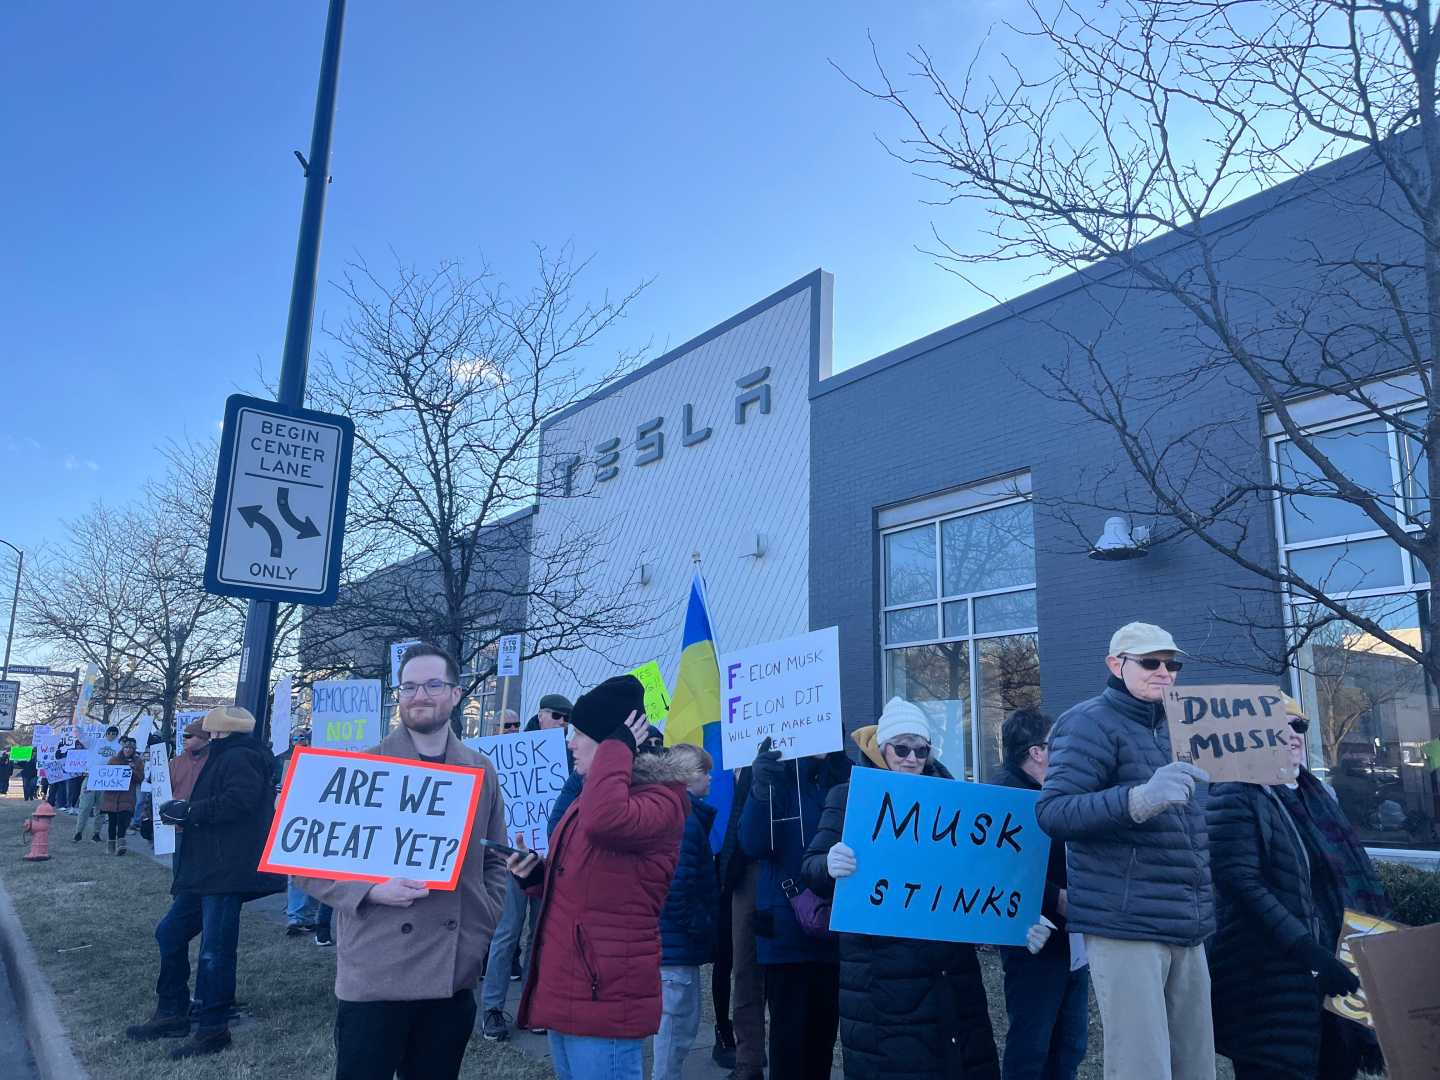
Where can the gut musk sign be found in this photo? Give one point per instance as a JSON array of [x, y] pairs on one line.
[[278, 519]]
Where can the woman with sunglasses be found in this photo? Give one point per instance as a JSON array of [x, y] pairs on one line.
[[908, 1008], [1287, 864]]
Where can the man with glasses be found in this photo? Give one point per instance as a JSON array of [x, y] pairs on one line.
[[409, 957], [1139, 886], [504, 965]]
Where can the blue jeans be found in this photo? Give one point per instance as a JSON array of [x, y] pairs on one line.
[[300, 906], [585, 1057], [1049, 1010], [679, 1020], [503, 945], [217, 920]]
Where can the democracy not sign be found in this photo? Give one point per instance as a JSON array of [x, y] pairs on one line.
[[363, 817], [533, 768], [942, 860], [345, 714], [787, 691], [109, 778], [1237, 733]]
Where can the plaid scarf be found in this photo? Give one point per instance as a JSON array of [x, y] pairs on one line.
[[1360, 886]]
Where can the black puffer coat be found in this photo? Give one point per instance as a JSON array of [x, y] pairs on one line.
[[231, 808], [1129, 881], [687, 922], [1264, 1000], [909, 1009]]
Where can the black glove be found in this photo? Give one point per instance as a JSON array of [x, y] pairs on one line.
[[1332, 977], [767, 770], [175, 812]]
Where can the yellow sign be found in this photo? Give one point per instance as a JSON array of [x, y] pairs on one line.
[[657, 701], [1355, 1006]]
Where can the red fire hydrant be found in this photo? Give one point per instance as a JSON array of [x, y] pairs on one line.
[[39, 829]]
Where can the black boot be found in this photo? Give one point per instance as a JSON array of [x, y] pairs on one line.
[[160, 1026], [724, 1051], [203, 1042]]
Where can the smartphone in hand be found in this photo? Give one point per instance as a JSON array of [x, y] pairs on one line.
[[504, 849]]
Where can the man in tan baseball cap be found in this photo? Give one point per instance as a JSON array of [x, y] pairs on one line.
[[1139, 887]]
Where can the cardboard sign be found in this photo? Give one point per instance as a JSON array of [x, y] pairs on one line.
[[1233, 732], [532, 768], [22, 753], [1402, 981], [109, 778], [157, 769], [345, 714], [1357, 925], [788, 691], [363, 817], [657, 701], [940, 860]]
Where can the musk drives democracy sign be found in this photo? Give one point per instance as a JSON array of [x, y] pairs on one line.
[[363, 817]]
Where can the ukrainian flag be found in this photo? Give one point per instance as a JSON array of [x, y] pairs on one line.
[[695, 705]]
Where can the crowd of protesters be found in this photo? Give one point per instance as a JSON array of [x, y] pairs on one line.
[[1206, 917]]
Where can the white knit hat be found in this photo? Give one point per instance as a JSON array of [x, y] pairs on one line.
[[901, 718]]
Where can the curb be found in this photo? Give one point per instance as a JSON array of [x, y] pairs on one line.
[[39, 1011]]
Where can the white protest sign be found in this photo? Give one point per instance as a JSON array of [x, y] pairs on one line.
[[141, 732], [363, 817], [787, 691], [157, 769], [280, 718], [345, 714], [77, 762], [533, 768], [183, 720], [109, 778], [397, 650], [507, 658], [45, 742]]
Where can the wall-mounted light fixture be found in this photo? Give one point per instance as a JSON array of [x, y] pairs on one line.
[[758, 551]]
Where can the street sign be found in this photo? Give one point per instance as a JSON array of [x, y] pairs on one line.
[[507, 664], [397, 650], [9, 703], [31, 669], [278, 519]]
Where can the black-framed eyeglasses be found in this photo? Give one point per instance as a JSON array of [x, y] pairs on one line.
[[1152, 663], [1299, 725], [431, 688], [902, 751]]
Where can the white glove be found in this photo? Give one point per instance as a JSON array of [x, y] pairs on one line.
[[1036, 937], [840, 860], [1171, 785]]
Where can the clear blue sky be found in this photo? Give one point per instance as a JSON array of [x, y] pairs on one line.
[[151, 199]]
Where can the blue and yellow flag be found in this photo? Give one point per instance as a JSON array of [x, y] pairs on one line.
[[695, 706]]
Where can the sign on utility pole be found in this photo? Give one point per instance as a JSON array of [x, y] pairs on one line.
[[9, 703], [507, 666], [278, 521]]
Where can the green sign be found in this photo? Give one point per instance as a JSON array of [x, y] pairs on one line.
[[657, 701], [22, 753]]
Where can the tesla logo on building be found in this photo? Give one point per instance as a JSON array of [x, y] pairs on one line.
[[650, 435]]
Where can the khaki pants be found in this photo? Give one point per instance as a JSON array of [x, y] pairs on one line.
[[1155, 1007], [747, 999]]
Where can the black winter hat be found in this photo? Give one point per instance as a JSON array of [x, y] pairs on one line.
[[600, 711]]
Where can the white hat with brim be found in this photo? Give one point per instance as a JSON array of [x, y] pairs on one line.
[[229, 719], [1138, 638], [901, 718]]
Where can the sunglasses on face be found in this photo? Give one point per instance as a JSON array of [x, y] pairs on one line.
[[1299, 725], [1151, 663], [902, 751]]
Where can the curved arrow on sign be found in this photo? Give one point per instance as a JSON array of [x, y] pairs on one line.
[[303, 529], [254, 516]]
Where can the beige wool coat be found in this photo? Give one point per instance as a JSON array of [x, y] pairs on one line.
[[435, 947]]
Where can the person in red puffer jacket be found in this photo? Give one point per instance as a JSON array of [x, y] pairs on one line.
[[594, 979]]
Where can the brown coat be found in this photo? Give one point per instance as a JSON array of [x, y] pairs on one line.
[[112, 802], [435, 947]]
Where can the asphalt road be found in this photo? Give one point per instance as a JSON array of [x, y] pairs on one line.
[[15, 1060]]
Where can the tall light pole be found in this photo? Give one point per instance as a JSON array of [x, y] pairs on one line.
[[14, 603], [253, 689]]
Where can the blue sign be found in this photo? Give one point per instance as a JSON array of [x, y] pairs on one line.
[[941, 860]]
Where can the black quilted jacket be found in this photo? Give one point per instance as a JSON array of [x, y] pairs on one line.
[[1134, 882]]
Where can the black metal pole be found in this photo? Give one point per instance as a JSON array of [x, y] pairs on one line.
[[14, 604], [253, 690]]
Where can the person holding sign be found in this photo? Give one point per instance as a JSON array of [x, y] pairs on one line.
[[594, 978], [118, 806], [410, 956], [226, 820], [907, 1007], [89, 808], [1287, 865], [1139, 863]]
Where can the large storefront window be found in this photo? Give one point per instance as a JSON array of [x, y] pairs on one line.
[[1375, 737], [959, 626]]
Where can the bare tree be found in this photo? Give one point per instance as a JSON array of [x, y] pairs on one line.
[[449, 377], [1107, 150]]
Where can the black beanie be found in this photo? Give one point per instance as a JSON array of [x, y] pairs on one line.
[[600, 711]]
